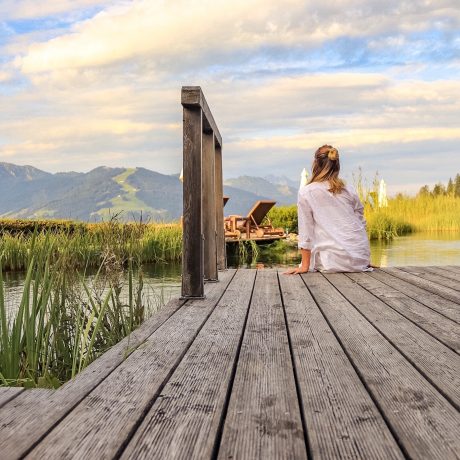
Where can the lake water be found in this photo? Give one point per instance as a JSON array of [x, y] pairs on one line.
[[162, 281], [418, 249]]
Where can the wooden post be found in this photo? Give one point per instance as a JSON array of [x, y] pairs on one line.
[[219, 187], [192, 247], [209, 208], [203, 247]]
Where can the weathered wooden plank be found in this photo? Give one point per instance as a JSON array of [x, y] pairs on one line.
[[446, 273], [445, 307], [92, 375], [192, 236], [193, 97], [185, 420], [9, 393], [263, 418], [444, 329], [209, 209], [430, 286], [100, 425], [341, 419], [221, 248], [426, 274], [27, 418], [7, 398], [439, 364], [452, 268], [423, 421]]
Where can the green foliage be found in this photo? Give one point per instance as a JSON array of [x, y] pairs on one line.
[[63, 321], [88, 244], [423, 213], [403, 215], [381, 225], [28, 226], [248, 251], [284, 217], [452, 188]]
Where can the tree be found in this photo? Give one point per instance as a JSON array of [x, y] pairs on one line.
[[457, 186], [424, 191], [439, 189], [450, 188]]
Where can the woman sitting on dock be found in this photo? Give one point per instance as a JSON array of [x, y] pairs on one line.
[[332, 228]]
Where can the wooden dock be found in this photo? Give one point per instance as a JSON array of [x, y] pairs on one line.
[[318, 366]]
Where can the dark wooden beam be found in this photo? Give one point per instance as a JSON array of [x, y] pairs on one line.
[[192, 245], [219, 202], [193, 97], [209, 209]]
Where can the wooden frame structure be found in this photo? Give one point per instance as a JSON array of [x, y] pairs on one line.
[[203, 247]]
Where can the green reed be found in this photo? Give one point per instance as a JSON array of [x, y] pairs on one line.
[[64, 320], [86, 244], [402, 216]]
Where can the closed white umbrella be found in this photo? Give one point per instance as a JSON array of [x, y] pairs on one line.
[[382, 198], [303, 177]]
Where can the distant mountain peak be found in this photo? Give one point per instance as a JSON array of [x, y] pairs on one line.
[[282, 180], [27, 172], [28, 192]]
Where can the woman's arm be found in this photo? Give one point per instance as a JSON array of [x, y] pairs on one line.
[[306, 232], [304, 265]]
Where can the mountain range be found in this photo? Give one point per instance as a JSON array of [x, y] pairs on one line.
[[28, 192]]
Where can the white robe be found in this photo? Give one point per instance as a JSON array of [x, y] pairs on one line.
[[333, 228]]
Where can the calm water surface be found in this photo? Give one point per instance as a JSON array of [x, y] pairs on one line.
[[162, 281], [418, 249]]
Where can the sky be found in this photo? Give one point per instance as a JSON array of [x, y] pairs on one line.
[[85, 83]]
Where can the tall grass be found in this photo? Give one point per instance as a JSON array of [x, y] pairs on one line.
[[64, 321], [402, 216], [248, 251], [420, 214], [87, 243]]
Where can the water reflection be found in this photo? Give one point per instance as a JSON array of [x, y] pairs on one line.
[[161, 283], [278, 254], [418, 249]]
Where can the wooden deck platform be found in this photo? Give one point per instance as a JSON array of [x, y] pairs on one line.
[[319, 366]]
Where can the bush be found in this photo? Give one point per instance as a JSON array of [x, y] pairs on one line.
[[285, 217]]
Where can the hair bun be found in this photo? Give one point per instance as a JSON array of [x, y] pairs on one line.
[[333, 154]]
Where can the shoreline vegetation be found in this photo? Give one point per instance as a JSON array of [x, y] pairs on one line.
[[435, 210], [87, 243], [429, 211], [402, 216], [66, 319]]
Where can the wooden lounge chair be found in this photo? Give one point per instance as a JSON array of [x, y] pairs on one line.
[[253, 222]]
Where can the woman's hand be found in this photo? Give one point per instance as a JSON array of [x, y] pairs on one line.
[[296, 271]]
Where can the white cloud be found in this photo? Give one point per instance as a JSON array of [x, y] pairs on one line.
[[107, 91], [30, 9], [180, 32], [5, 76]]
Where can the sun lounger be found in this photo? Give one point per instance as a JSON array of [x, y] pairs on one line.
[[255, 224]]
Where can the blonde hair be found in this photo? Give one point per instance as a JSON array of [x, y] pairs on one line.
[[326, 167]]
